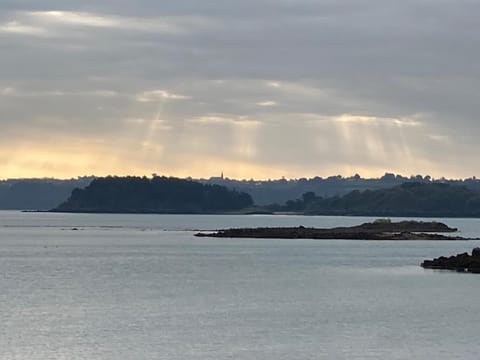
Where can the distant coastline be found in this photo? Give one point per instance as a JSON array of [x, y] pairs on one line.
[[162, 195], [46, 194]]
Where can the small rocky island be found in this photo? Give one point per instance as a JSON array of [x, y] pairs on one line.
[[460, 262], [381, 229]]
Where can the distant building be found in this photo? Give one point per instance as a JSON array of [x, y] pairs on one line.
[[217, 178]]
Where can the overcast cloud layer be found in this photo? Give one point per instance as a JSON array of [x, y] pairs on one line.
[[263, 88]]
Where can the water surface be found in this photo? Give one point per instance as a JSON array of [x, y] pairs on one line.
[[142, 287]]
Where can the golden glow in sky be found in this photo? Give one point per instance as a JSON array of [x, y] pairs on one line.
[[204, 147]]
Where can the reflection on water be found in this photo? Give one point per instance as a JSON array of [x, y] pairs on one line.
[[121, 287]]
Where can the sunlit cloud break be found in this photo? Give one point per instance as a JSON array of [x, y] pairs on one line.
[[368, 120], [267, 103], [241, 121], [161, 24], [155, 95], [15, 27]]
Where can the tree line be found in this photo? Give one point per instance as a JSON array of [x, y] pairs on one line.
[[153, 195], [409, 199]]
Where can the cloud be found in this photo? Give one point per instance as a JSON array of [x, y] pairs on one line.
[[7, 91], [212, 119], [156, 95], [411, 121], [12, 92], [288, 87], [15, 27], [75, 18], [57, 23], [267, 103]]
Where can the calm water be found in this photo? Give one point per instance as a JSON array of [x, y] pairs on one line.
[[142, 287]]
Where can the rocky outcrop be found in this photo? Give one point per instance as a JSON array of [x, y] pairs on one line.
[[461, 262], [385, 225], [378, 230], [476, 252]]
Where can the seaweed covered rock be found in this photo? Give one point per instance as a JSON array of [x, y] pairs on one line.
[[378, 230], [476, 252], [461, 262]]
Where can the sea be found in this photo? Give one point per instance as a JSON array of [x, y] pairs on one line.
[[128, 287]]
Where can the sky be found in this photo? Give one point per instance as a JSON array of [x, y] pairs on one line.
[[254, 88]]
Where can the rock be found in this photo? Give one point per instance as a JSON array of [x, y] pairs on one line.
[[460, 262], [383, 230]]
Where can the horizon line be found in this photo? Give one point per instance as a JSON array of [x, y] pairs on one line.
[[226, 178]]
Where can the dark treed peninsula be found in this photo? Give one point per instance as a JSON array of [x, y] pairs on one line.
[[155, 195], [409, 199]]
